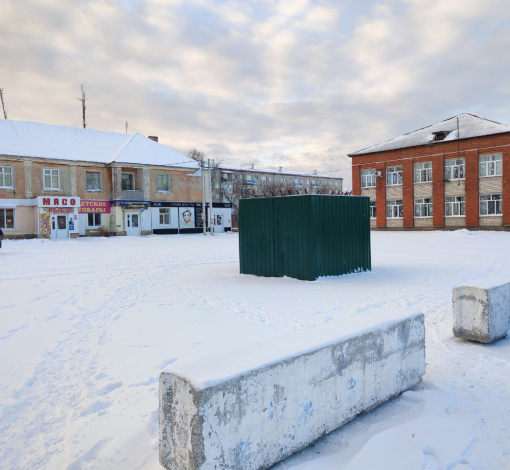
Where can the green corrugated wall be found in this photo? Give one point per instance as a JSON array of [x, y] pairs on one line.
[[304, 237]]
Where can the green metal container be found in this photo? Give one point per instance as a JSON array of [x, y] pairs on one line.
[[305, 237]]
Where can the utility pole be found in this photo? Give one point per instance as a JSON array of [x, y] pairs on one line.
[[83, 106], [127, 123], [211, 214], [2, 99], [204, 217]]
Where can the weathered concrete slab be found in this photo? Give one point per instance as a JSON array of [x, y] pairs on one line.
[[481, 310], [254, 406]]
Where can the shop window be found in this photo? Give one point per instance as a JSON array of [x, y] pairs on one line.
[[491, 204], [394, 175], [7, 218], [423, 207], [455, 169], [128, 181], [51, 179], [368, 178], [94, 220], [491, 165], [164, 216], [423, 172], [93, 181], [5, 177], [373, 212], [395, 209], [163, 182], [455, 206]]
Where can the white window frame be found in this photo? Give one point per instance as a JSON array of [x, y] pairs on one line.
[[4, 209], [3, 176], [490, 165], [423, 172], [485, 203], [99, 181], [51, 170], [94, 214], [373, 210], [423, 207], [164, 213], [167, 175], [368, 178], [395, 207], [456, 204], [457, 165], [394, 175]]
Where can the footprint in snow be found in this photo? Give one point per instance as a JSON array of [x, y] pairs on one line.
[[96, 407], [166, 362], [109, 388]]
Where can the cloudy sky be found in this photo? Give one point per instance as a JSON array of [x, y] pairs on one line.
[[296, 83]]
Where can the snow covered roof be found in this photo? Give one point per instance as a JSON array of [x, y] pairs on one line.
[[470, 126], [231, 168], [38, 140]]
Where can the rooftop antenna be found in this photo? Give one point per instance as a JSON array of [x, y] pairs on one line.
[[2, 99], [83, 106], [127, 123]]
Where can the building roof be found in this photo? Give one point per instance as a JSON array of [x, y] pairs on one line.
[[38, 140], [470, 126], [231, 168]]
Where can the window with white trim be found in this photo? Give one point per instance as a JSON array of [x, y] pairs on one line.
[[455, 169], [6, 177], [93, 180], [423, 207], [491, 204], [51, 179], [163, 182], [164, 216], [368, 178], [423, 172], [373, 211], [491, 165], [394, 175], [93, 220], [395, 209], [455, 206], [7, 218]]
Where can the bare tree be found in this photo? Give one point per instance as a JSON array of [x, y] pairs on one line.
[[197, 155]]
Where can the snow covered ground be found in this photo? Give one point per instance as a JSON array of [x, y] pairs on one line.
[[87, 325]]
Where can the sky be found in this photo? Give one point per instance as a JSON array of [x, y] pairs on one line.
[[291, 83]]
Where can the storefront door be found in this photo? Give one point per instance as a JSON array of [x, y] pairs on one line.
[[59, 228], [218, 223], [133, 228]]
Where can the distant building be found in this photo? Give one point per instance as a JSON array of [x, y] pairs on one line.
[[452, 174]]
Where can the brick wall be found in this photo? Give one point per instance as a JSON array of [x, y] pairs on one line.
[[471, 190]]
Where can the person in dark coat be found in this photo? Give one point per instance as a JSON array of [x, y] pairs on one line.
[[2, 236]]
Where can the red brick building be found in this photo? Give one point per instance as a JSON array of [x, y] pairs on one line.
[[453, 174]]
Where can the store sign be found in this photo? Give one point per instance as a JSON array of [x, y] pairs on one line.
[[94, 207], [43, 201], [135, 205], [60, 210]]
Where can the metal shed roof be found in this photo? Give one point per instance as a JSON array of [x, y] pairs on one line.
[[470, 125]]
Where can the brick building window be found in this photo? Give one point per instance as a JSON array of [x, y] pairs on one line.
[[164, 217], [423, 172], [373, 212], [491, 204], [393, 175], [395, 209], [455, 206], [163, 182], [491, 165], [423, 207], [7, 218], [5, 177], [367, 179], [128, 181], [455, 169], [93, 181], [51, 179], [93, 220]]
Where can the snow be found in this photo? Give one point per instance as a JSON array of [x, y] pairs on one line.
[[249, 169], [38, 140], [470, 125], [87, 325], [489, 282]]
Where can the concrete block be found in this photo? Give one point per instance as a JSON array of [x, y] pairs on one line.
[[254, 406], [481, 310]]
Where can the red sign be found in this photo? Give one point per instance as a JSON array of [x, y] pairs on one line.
[[94, 207], [60, 210], [44, 201]]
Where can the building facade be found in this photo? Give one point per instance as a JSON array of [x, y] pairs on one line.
[[452, 174]]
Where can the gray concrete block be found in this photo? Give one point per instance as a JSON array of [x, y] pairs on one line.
[[481, 310], [254, 406]]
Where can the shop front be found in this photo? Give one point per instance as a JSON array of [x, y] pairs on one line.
[[58, 217], [94, 217], [131, 218]]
